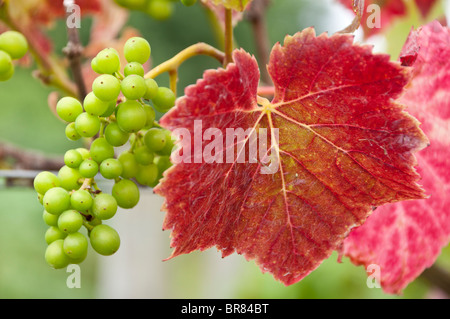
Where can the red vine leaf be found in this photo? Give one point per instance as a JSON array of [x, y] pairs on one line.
[[405, 238], [344, 147]]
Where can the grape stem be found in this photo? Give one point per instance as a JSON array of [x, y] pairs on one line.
[[173, 64], [228, 38]]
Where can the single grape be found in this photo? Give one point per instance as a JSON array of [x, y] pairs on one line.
[[70, 178], [160, 9], [73, 158], [5, 62], [50, 219], [94, 106], [40, 198], [111, 168], [137, 49], [126, 193], [70, 221], [110, 110], [131, 116], [104, 239], [44, 181], [147, 174], [134, 68], [14, 43], [155, 139], [55, 255], [188, 3], [164, 99], [170, 144], [94, 66], [133, 87], [87, 125], [84, 152], [68, 108], [88, 168], [108, 61], [71, 132], [129, 165], [104, 207], [152, 89], [5, 76], [54, 233], [143, 155], [75, 245], [150, 116], [101, 150], [115, 136], [81, 200], [106, 87], [56, 200]]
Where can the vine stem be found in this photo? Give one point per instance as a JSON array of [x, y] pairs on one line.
[[228, 40], [173, 64]]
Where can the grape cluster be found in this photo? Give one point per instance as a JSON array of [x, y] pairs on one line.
[[157, 9], [72, 198], [13, 46]]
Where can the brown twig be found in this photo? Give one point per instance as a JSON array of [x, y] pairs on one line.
[[29, 159], [438, 277], [358, 8]]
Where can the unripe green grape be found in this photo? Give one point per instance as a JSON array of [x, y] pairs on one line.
[[150, 116], [88, 168], [87, 125], [55, 255], [147, 174], [104, 239], [44, 181], [111, 168], [155, 139], [137, 49], [126, 193], [163, 163], [143, 155], [160, 9], [108, 61], [134, 68], [101, 150], [94, 106], [164, 99], [70, 221], [94, 66], [115, 136], [70, 178], [131, 116], [75, 245], [54, 233], [71, 132], [40, 198], [73, 158], [5, 62], [84, 152], [104, 206], [169, 146], [5, 76], [188, 3], [14, 43], [81, 200], [133, 87], [110, 110], [129, 165], [152, 89], [106, 87], [68, 108], [50, 219]]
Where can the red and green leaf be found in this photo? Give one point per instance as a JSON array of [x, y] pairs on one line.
[[344, 147]]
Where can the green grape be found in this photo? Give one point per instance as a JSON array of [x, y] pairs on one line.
[[126, 193], [70, 178], [88, 168], [155, 139], [150, 116], [115, 136], [94, 106], [104, 239], [111, 168], [160, 9], [5, 62], [104, 207], [131, 116], [163, 163], [14, 43], [164, 99], [75, 245], [170, 144], [5, 76], [129, 165], [54, 233], [94, 66], [110, 110], [40, 198], [106, 87], [134, 68], [71, 132], [50, 219], [143, 155], [147, 174], [81, 200], [108, 61], [87, 125], [68, 108], [55, 255], [101, 150], [188, 3], [84, 152], [70, 221], [152, 89], [44, 181], [73, 158], [137, 49], [133, 87]]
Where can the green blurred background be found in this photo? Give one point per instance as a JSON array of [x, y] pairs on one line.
[[137, 270]]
